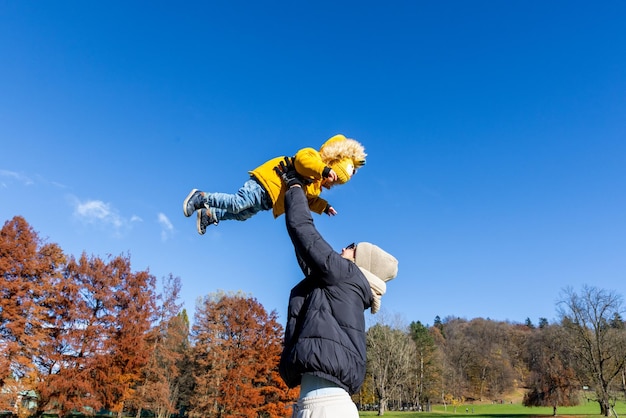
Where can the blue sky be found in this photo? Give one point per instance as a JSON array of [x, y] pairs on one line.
[[495, 134]]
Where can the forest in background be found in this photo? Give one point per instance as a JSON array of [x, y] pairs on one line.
[[88, 335]]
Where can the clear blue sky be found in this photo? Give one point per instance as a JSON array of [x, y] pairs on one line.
[[495, 133]]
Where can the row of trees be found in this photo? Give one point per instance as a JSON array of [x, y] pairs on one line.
[[85, 335], [582, 356], [89, 334], [72, 330]]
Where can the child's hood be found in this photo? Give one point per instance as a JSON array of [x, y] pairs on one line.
[[339, 147]]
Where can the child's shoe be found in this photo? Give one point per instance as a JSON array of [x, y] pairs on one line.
[[194, 201], [204, 219]]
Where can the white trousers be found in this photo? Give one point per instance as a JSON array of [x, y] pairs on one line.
[[326, 406], [320, 398]]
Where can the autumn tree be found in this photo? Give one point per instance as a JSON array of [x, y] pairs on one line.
[[478, 358], [490, 372], [598, 349], [125, 342], [455, 349], [96, 343], [236, 352], [67, 352], [552, 381], [366, 396], [515, 338], [73, 331], [159, 387], [28, 270]]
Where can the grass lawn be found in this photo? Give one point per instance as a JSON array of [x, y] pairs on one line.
[[586, 410]]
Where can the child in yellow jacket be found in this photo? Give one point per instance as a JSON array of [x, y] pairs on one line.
[[335, 163]]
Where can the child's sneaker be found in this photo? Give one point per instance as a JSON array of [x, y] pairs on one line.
[[193, 202], [204, 219]]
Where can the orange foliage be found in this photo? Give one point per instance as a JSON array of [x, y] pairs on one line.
[[162, 380], [28, 269], [74, 331], [236, 354]]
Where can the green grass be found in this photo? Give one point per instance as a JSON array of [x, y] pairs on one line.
[[586, 410]]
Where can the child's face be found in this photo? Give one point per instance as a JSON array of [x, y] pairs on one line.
[[327, 183]]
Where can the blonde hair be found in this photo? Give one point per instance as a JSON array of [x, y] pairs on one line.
[[339, 147]]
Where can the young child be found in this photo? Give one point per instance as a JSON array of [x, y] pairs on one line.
[[335, 163]]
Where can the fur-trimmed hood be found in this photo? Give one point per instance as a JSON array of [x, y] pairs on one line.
[[339, 147]]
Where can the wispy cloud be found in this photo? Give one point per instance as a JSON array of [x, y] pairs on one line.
[[97, 212], [167, 229], [103, 215], [106, 217], [7, 177]]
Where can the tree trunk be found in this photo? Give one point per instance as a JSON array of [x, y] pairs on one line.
[[605, 409], [381, 406]]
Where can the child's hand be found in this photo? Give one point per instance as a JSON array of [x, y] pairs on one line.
[[332, 175], [330, 211]]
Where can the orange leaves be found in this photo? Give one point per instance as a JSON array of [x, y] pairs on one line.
[[86, 334], [27, 273], [78, 328], [237, 346]]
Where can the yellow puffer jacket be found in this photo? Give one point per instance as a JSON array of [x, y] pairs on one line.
[[309, 164]]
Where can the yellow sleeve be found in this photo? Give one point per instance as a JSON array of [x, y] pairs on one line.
[[309, 164], [317, 205], [312, 192]]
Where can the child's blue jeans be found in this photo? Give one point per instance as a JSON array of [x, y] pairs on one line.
[[249, 199]]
